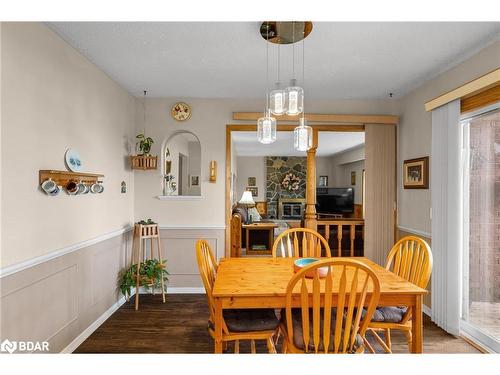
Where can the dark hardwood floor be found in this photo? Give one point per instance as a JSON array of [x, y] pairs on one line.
[[179, 326]]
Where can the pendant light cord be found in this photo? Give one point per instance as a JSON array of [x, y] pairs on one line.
[[266, 106], [303, 77], [293, 49], [144, 111], [279, 45]]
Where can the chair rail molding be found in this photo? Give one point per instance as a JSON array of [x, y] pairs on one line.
[[192, 227], [414, 231], [17, 267]]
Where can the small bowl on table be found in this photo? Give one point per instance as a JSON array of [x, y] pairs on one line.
[[300, 264]]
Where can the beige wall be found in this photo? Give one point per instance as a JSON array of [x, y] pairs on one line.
[[208, 122], [343, 164], [251, 166], [324, 167], [415, 131], [344, 178], [54, 99]]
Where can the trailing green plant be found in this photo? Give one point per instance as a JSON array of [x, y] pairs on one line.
[[151, 274], [146, 222], [144, 144]]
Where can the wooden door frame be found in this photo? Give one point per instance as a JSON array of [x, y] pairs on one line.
[[311, 170]]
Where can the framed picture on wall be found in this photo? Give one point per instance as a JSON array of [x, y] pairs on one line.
[[353, 178], [323, 181], [194, 180], [416, 173], [252, 181], [254, 190]]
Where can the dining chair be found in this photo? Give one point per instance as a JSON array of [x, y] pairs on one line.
[[320, 327], [250, 324], [411, 259], [300, 242]]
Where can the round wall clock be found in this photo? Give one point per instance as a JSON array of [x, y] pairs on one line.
[[181, 111]]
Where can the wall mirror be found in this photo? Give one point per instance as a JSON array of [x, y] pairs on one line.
[[181, 166]]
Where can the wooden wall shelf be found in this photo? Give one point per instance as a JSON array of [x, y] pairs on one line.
[[62, 178], [144, 163]]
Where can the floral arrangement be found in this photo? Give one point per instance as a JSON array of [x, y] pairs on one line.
[[290, 182]]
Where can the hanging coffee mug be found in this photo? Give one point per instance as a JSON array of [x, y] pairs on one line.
[[96, 188], [50, 187], [82, 188], [72, 188]]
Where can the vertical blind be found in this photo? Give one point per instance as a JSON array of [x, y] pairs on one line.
[[446, 192], [380, 167]]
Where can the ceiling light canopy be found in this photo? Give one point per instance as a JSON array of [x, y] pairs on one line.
[[289, 101], [286, 32]]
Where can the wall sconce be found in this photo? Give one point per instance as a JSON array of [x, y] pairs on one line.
[[213, 171]]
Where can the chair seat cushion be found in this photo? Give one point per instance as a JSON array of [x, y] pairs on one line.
[[298, 337], [246, 320], [389, 314]]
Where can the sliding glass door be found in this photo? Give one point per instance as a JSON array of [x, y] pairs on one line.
[[481, 265]]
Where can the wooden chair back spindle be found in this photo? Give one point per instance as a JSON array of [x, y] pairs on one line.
[[354, 280], [300, 242], [207, 266], [411, 258]]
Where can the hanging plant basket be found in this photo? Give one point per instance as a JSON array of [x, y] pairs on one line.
[[144, 162]]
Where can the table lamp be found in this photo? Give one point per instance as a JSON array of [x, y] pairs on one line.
[[247, 200]]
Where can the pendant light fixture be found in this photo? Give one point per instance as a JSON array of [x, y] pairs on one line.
[[294, 95], [266, 125], [277, 96], [303, 134]]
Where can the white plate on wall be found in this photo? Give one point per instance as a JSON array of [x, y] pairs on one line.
[[73, 160]]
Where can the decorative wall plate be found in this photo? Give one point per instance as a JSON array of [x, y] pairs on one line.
[[181, 111], [73, 161]]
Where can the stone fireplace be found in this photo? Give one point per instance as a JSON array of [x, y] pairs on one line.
[[277, 167]]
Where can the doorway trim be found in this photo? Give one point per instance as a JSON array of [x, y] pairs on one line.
[[311, 163]]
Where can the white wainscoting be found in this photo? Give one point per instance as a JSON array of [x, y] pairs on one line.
[[178, 248], [64, 296]]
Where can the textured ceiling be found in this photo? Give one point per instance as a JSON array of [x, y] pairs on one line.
[[329, 143], [228, 60]]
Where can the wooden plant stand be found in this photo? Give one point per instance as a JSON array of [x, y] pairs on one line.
[[143, 233], [143, 162]]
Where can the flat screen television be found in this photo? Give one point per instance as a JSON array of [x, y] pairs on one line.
[[335, 200]]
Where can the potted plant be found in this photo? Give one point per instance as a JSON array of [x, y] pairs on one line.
[[151, 274], [144, 144]]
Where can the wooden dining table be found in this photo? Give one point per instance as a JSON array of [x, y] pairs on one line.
[[250, 283]]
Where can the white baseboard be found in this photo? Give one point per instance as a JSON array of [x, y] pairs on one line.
[[91, 328], [9, 270], [187, 290], [427, 310], [174, 290]]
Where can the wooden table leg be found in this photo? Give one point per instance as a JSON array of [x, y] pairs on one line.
[[218, 326], [417, 326]]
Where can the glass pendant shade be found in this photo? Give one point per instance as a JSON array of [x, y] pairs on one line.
[[294, 99], [302, 136], [277, 101], [266, 129]]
